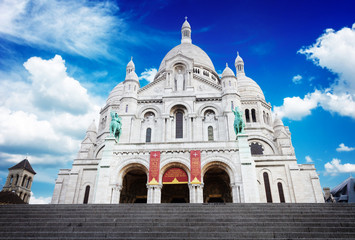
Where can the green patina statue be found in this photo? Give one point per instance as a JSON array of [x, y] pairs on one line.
[[115, 126], [238, 121]]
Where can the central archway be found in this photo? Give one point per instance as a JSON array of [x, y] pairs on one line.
[[175, 188], [216, 186], [134, 188]]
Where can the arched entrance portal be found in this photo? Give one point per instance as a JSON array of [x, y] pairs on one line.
[[134, 189], [216, 186], [175, 189]]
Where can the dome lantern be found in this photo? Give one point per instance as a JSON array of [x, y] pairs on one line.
[[239, 64], [186, 32]]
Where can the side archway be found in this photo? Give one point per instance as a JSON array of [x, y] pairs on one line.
[[217, 183], [134, 180]]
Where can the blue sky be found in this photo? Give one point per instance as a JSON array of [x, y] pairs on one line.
[[60, 59]]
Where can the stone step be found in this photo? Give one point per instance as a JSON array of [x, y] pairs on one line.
[[160, 238], [178, 221], [50, 223], [181, 235], [191, 229]]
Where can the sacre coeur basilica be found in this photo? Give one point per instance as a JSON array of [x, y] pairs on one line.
[[189, 136]]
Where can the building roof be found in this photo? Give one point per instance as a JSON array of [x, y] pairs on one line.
[[24, 164], [10, 198], [345, 191]]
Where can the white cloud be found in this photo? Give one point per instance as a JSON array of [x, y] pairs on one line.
[[148, 74], [296, 108], [335, 167], [308, 159], [39, 200], [343, 148], [53, 88], [79, 27], [334, 50], [297, 79], [46, 116]]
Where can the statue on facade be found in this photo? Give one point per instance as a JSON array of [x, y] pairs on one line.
[[179, 81], [115, 126], [238, 121]]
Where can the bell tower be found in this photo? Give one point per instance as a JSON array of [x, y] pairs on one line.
[[20, 180]]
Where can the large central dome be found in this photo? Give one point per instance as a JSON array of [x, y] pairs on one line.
[[189, 50]]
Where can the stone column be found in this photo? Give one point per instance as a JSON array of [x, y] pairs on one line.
[[102, 192], [250, 187], [196, 193], [116, 193], [154, 194], [236, 192]]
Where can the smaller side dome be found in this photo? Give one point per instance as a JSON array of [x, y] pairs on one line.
[[248, 88], [130, 67], [130, 71], [132, 76], [227, 72], [92, 127], [278, 122]]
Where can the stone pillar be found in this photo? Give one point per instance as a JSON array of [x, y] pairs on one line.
[[248, 170], [102, 192], [116, 193], [198, 129], [154, 194], [196, 193], [236, 192]]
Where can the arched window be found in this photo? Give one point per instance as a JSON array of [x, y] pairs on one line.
[[24, 180], [253, 115], [86, 196], [11, 179], [267, 187], [179, 124], [232, 104], [210, 133], [28, 182], [267, 118], [281, 192], [127, 108], [230, 84], [264, 117], [148, 135], [247, 117], [17, 177]]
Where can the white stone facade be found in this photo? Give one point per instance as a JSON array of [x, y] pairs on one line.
[[187, 84]]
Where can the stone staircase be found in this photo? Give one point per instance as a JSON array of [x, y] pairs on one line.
[[178, 221]]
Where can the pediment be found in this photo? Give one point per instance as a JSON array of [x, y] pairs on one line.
[[155, 88]]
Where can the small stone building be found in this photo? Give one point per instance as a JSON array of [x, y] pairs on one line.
[[19, 181]]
